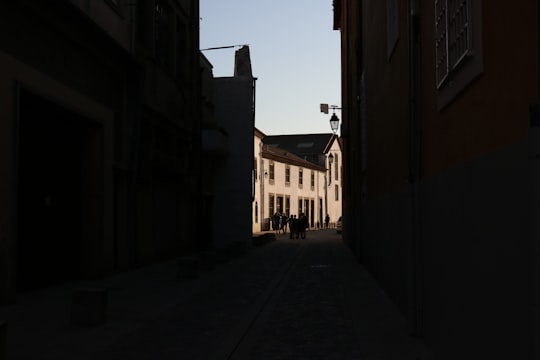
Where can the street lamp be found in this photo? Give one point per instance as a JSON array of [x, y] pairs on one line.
[[334, 120], [334, 123]]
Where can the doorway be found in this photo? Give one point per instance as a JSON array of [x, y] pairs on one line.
[[280, 204], [53, 158], [312, 213], [306, 210], [320, 213]]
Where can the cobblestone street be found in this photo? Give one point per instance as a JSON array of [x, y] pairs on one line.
[[288, 299], [308, 318]]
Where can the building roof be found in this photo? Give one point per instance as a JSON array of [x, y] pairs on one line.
[[301, 144], [259, 134]]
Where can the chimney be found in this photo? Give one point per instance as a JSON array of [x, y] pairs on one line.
[[242, 63]]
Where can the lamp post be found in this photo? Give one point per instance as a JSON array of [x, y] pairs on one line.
[[327, 182], [334, 123], [334, 120]]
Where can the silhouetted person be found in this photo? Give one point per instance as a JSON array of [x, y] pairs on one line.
[[302, 225], [283, 223], [275, 221], [326, 221], [294, 227]]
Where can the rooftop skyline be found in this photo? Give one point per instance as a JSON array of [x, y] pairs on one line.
[[295, 55]]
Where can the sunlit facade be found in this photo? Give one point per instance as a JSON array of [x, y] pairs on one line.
[[286, 183]]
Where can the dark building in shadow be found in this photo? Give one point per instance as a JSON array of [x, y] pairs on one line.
[[440, 133], [99, 138]]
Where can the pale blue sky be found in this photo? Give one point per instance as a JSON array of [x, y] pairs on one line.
[[295, 55]]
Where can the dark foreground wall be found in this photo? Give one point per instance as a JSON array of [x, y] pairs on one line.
[[470, 277]]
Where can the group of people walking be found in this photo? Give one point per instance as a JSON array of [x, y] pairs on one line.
[[297, 225]]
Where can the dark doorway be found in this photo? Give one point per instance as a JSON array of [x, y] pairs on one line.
[[306, 209], [280, 204], [312, 213], [50, 152], [320, 213]]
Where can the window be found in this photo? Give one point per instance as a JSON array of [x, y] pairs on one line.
[[458, 48], [441, 65], [162, 33], [453, 42], [255, 169], [312, 180], [336, 187], [271, 171], [271, 204], [329, 172], [299, 207], [288, 206], [287, 175], [336, 167], [300, 177]]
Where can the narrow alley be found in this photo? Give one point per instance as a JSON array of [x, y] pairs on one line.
[[288, 299]]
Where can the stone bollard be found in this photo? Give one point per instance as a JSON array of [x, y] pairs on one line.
[[3, 340], [89, 306], [187, 267]]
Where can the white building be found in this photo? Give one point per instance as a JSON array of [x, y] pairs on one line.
[[296, 174]]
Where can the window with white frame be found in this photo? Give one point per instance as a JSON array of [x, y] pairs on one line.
[[337, 192], [300, 177], [287, 175], [312, 180], [458, 50]]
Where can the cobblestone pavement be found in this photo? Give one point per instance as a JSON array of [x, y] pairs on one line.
[[196, 327], [289, 299], [308, 319]]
